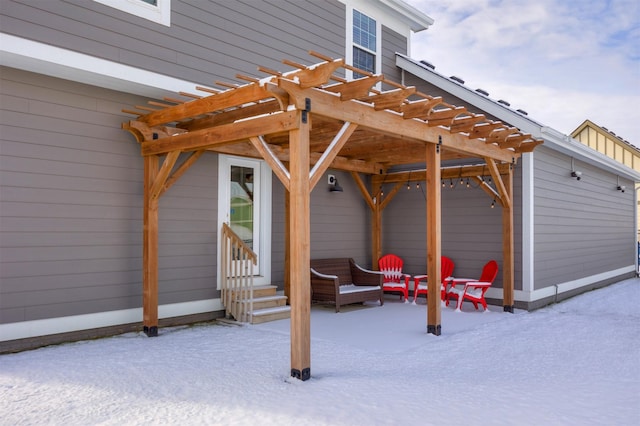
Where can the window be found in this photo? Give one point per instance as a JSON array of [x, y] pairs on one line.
[[365, 42], [154, 10]]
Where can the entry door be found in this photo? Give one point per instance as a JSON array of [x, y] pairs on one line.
[[244, 203]]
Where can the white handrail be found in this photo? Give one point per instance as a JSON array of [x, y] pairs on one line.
[[236, 281]]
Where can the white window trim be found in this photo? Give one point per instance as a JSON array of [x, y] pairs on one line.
[[160, 14], [350, 44]]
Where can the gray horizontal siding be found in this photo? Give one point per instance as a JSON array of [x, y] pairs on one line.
[[392, 43], [71, 206], [340, 225], [582, 228], [277, 233], [471, 229], [339, 222], [207, 41]]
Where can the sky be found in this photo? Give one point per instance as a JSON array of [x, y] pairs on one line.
[[571, 363], [562, 61]]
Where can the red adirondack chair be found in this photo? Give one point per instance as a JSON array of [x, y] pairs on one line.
[[474, 290], [446, 270], [394, 280]]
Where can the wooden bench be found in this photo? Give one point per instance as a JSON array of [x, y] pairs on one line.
[[342, 281]]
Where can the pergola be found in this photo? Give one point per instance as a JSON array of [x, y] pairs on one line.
[[308, 120]]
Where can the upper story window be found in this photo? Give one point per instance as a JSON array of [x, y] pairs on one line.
[[365, 43], [154, 10]]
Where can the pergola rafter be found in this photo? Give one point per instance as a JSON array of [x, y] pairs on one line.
[[307, 120]]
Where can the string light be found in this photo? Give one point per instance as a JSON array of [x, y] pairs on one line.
[[417, 185], [468, 184], [493, 203], [450, 183]]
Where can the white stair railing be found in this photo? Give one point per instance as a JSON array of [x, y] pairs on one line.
[[236, 281]]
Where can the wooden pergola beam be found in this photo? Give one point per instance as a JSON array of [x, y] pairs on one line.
[[446, 173], [355, 89], [328, 105], [215, 102], [420, 109], [272, 160], [191, 159], [331, 152], [223, 134], [500, 186]]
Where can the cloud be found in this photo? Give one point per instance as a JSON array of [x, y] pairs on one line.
[[563, 61]]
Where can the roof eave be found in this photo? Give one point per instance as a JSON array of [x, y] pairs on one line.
[[553, 138], [417, 20]]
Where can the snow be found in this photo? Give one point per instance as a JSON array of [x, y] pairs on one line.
[[572, 363]]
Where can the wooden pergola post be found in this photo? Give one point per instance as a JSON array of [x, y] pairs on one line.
[[507, 244], [299, 243], [434, 228], [287, 247], [150, 249], [376, 233]]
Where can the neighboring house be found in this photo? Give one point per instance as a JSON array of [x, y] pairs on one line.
[[71, 179], [572, 235], [614, 146]]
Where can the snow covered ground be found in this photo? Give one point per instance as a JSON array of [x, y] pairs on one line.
[[573, 363]]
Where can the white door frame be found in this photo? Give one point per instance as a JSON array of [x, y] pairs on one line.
[[262, 203]]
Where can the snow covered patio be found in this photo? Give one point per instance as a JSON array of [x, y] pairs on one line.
[[575, 362], [394, 327]]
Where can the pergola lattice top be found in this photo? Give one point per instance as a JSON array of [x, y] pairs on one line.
[[368, 130]]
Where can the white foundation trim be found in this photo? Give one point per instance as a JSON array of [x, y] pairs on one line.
[[44, 327], [524, 296]]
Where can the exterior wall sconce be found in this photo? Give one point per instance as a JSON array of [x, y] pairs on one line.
[[575, 173], [333, 184], [620, 188]]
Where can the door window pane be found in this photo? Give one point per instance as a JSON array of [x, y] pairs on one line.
[[241, 203]]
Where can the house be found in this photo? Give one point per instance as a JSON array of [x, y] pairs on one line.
[[72, 209], [614, 146], [77, 255]]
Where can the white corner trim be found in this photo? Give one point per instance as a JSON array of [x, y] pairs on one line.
[[28, 55], [44, 327], [528, 216]]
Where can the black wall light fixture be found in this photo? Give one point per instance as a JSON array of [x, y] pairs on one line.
[[334, 186], [575, 173]]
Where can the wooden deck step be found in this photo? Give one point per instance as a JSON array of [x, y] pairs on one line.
[[260, 291], [267, 302], [271, 314]]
